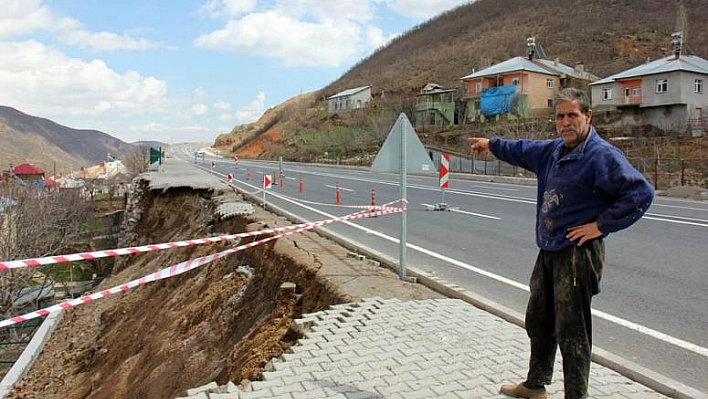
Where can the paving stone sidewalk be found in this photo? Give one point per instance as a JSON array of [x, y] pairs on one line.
[[389, 348]]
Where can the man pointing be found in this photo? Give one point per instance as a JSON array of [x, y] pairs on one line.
[[586, 190]]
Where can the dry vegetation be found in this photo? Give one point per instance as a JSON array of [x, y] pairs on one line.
[[607, 36]]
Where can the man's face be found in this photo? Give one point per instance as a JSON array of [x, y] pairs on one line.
[[572, 124]]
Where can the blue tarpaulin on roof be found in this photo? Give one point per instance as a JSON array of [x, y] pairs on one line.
[[495, 100]]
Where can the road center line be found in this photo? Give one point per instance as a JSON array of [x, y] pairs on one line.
[[341, 188]]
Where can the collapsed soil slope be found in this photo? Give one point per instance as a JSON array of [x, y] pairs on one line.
[[221, 322]]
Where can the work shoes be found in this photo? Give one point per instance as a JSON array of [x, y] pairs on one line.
[[520, 391]]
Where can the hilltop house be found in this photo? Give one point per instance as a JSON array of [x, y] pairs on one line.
[[358, 97], [435, 106], [521, 86], [668, 93]]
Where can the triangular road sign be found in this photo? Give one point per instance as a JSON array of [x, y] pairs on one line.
[[267, 182], [389, 157]]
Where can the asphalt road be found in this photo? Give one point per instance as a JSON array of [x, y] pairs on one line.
[[652, 308]]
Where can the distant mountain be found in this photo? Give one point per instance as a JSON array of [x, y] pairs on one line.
[[51, 146], [151, 143]]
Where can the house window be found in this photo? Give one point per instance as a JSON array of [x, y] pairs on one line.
[[662, 85], [550, 103], [549, 83], [698, 86], [636, 91], [607, 93], [478, 87], [515, 81]]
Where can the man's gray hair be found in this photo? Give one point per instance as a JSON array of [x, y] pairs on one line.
[[573, 94]]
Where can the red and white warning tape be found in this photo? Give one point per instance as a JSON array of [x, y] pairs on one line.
[[188, 265], [22, 263]]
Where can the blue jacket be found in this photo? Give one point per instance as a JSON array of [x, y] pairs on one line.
[[594, 182]]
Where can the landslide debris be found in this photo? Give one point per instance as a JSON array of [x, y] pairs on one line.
[[220, 322]]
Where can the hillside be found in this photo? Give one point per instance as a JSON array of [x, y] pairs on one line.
[[50, 146], [606, 36]]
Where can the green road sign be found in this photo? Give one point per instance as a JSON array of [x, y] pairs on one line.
[[155, 155]]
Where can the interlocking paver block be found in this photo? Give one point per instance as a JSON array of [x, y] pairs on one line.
[[385, 349]]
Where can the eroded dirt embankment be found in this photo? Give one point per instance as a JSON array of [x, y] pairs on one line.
[[221, 322]]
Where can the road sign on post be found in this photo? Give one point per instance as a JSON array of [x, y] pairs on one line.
[[267, 183], [444, 170], [444, 181], [156, 155]]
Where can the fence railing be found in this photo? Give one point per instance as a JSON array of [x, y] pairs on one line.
[[665, 173], [662, 173]]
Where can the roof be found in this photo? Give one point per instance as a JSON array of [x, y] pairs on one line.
[[688, 63], [104, 170], [434, 88], [349, 92], [27, 169], [50, 183], [542, 66], [567, 70]]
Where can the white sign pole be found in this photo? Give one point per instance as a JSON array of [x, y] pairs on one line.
[[403, 241], [266, 184]]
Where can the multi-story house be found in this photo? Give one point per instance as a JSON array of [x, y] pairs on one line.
[[435, 106], [668, 94], [358, 97], [521, 87]]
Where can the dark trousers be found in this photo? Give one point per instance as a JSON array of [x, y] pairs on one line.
[[558, 314]]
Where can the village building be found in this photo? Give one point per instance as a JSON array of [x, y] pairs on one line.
[[521, 87], [667, 94], [435, 106], [349, 99], [28, 174]]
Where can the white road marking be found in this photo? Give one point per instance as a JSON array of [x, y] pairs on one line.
[[662, 219], [474, 214], [481, 215], [676, 217], [341, 188]]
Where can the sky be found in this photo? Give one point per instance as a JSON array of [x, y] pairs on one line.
[[185, 70]]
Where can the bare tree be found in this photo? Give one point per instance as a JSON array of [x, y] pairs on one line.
[[138, 160], [36, 223]]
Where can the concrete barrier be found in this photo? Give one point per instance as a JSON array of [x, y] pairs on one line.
[[30, 354]]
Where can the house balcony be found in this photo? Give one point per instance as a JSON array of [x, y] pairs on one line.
[[631, 100], [443, 108]]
